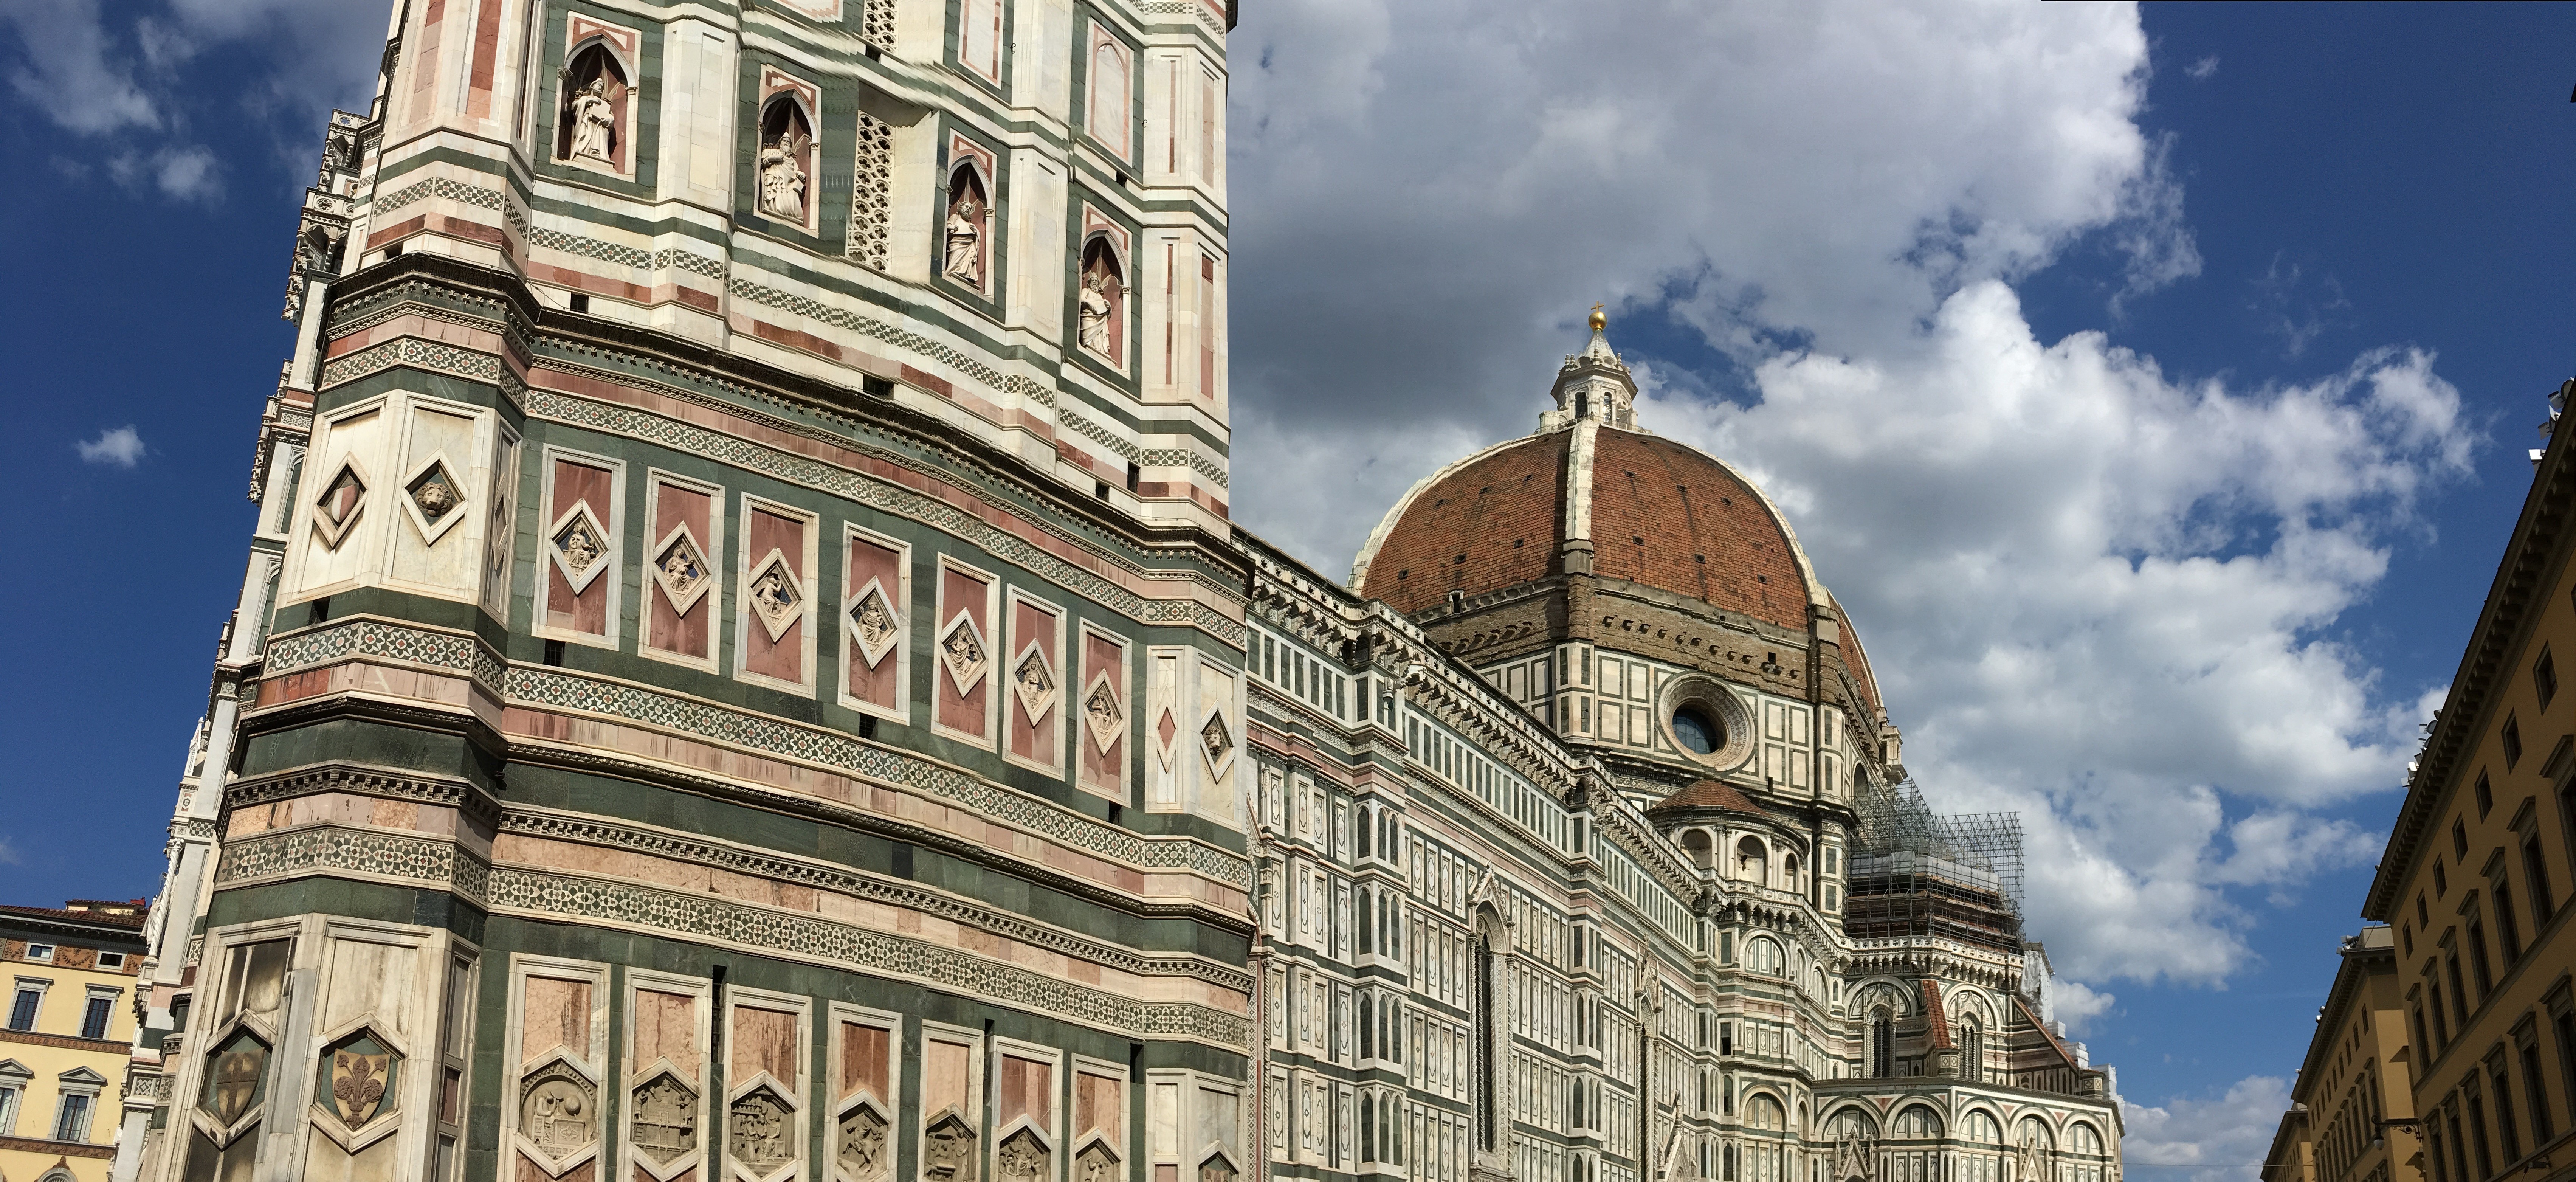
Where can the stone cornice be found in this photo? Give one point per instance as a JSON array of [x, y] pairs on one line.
[[2537, 547]]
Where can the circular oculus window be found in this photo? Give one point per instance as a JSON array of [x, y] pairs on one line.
[[1706, 722]]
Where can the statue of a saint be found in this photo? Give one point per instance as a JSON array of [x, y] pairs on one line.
[[1094, 308], [593, 122], [782, 179], [965, 258]]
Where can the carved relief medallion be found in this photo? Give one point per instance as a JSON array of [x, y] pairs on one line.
[[360, 1071], [681, 571], [775, 597], [233, 1081], [1022, 1158], [557, 1110], [666, 1119], [861, 1147], [1034, 684], [1216, 741], [874, 624], [580, 545], [434, 494], [1101, 714], [1096, 1163], [760, 1132], [947, 1148], [963, 650]]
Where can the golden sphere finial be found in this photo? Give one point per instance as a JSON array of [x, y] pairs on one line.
[[1599, 321]]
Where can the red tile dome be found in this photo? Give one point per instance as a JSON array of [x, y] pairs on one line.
[[1660, 514]]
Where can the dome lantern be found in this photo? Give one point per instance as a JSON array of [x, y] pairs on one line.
[[1593, 386]]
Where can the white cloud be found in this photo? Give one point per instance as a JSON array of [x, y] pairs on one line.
[[65, 69], [2202, 70], [2226, 1137], [117, 76], [2091, 590], [8, 853], [115, 447], [2077, 1004]]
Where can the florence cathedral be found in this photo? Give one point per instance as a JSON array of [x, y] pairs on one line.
[[743, 672]]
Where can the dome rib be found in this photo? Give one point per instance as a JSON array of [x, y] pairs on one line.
[[1498, 509]]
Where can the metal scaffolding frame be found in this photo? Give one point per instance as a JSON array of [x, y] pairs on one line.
[[1917, 873]]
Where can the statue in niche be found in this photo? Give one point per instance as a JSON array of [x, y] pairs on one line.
[[1097, 321], [1095, 1164], [782, 176], [1094, 312], [965, 241], [594, 122]]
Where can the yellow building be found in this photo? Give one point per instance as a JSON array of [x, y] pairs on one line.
[[65, 1036], [2476, 878], [2352, 1107]]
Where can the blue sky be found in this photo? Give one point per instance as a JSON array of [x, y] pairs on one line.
[[2153, 386]]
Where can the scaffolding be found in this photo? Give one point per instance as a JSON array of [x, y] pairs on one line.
[[1920, 874]]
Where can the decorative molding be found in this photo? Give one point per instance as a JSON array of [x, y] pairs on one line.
[[505, 888], [365, 636], [566, 691], [474, 195], [876, 494], [811, 309], [968, 912], [418, 354], [361, 780]]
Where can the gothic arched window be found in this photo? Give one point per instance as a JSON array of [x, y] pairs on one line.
[[1972, 1048], [1882, 1043]]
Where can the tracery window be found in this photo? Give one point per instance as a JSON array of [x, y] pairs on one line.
[[1882, 1043], [1972, 1048]]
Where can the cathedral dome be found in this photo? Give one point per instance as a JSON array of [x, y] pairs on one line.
[[1649, 511], [1590, 493]]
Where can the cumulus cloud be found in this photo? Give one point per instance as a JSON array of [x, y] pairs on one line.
[[116, 78], [115, 447], [2222, 1139], [2078, 1004], [2090, 588]]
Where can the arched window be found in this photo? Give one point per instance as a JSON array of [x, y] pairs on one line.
[[1851, 1124], [1918, 1123], [1762, 955], [1483, 995], [1763, 1156], [2034, 1152], [2084, 1149], [966, 245], [1882, 1043], [1368, 1027], [1788, 872], [1753, 861], [1702, 850], [1368, 916], [786, 161], [1368, 1124], [1101, 306], [1982, 1161], [590, 124], [1972, 1048]]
